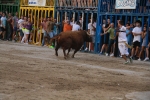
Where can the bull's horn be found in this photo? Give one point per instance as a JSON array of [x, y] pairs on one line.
[[88, 33]]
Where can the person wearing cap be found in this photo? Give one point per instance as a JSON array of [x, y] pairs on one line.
[[67, 26]]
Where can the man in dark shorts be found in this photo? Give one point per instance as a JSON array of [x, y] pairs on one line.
[[137, 39], [106, 37]]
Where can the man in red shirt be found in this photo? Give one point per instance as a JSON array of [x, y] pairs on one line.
[[67, 26]]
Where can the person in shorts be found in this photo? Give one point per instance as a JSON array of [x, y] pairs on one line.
[[92, 31], [111, 32], [144, 44], [122, 40], [3, 26], [106, 37], [49, 31], [147, 47], [20, 24], [137, 39]]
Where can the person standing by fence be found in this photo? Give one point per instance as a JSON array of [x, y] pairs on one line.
[[10, 27], [3, 26], [15, 23]]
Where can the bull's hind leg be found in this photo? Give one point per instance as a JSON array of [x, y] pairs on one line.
[[56, 49], [75, 52], [68, 51], [64, 51]]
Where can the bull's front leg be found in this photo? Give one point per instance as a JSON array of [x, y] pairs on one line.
[[56, 49]]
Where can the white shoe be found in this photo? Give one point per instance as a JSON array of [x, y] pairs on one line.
[[106, 54], [37, 43], [86, 49], [139, 59], [112, 55], [87, 9], [127, 62], [25, 43], [146, 59]]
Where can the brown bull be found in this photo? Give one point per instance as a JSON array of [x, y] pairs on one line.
[[70, 40]]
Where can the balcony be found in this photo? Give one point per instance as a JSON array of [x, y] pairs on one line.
[[77, 5], [124, 6], [9, 2]]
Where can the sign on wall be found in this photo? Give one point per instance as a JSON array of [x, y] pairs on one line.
[[37, 2], [125, 4]]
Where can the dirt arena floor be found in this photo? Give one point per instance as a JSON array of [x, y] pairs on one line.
[[29, 72]]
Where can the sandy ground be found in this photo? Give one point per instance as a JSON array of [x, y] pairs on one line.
[[29, 72]]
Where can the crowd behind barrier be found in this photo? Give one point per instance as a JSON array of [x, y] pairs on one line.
[[13, 28]]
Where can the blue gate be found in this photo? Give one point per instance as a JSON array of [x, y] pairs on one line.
[[127, 10]]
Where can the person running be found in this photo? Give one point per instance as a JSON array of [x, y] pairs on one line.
[[144, 44], [122, 40]]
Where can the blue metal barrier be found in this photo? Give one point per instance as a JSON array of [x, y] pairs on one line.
[[105, 9], [128, 16], [70, 9]]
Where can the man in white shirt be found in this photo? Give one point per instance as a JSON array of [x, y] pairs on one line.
[[20, 24], [92, 31], [137, 39], [76, 26], [122, 40]]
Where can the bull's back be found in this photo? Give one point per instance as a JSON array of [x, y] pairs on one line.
[[73, 39]]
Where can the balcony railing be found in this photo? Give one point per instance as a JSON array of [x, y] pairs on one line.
[[109, 6], [77, 4], [9, 2]]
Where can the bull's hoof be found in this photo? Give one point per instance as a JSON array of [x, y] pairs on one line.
[[65, 57], [56, 54]]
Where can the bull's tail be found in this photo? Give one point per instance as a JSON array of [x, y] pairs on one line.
[[55, 38]]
